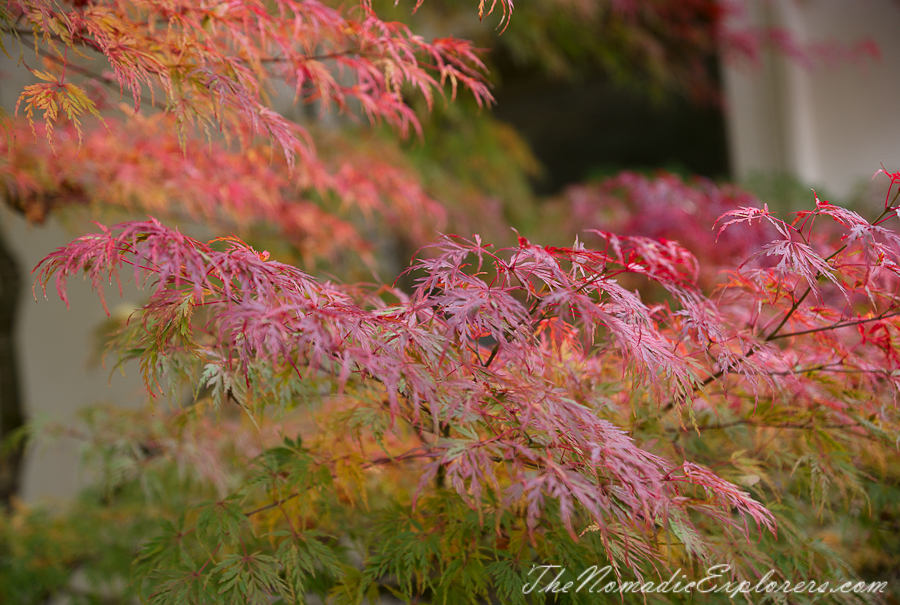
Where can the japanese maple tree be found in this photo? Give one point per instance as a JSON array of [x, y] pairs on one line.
[[572, 405], [218, 153]]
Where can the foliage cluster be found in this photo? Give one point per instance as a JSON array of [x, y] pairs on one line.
[[573, 404]]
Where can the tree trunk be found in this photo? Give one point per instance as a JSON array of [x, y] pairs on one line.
[[12, 416]]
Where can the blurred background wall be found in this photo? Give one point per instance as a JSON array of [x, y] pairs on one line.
[[830, 124]]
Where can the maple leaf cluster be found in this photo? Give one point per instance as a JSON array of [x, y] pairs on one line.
[[215, 64], [496, 403], [514, 405], [506, 374], [216, 69], [316, 208], [669, 208]]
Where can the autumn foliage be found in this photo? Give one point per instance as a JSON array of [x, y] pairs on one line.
[[505, 380], [644, 396]]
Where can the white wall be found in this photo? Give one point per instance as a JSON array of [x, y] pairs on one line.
[[55, 348], [831, 124]]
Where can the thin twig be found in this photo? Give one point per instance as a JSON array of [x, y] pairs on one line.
[[837, 326]]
